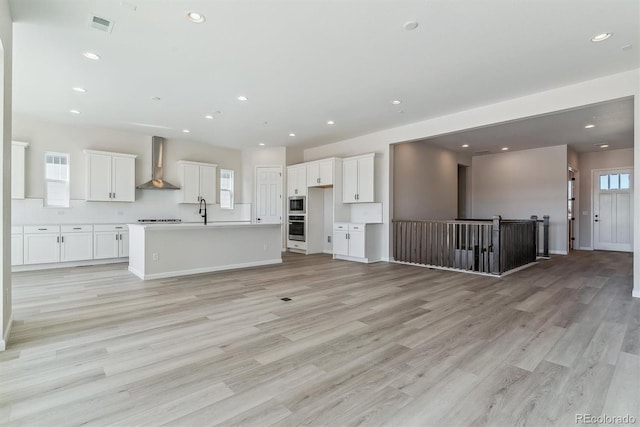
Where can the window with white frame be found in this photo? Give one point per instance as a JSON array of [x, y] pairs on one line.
[[226, 189], [56, 180]]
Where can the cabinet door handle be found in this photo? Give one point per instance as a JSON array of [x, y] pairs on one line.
[[62, 239], [119, 228], [114, 195], [57, 239], [318, 180], [116, 237], [43, 229], [77, 228]]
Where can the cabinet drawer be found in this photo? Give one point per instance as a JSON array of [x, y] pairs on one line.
[[41, 229], [341, 226], [111, 227], [356, 227], [76, 228], [16, 229]]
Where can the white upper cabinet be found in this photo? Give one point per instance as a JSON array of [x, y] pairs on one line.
[[18, 169], [358, 179], [110, 176], [320, 174], [197, 181], [297, 180]]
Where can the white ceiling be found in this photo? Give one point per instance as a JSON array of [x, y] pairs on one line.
[[302, 63], [613, 123]]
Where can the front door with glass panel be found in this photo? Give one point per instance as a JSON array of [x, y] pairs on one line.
[[613, 210]]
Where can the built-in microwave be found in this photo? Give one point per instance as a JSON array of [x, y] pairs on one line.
[[297, 204]]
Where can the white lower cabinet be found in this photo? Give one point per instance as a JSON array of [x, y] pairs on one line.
[[17, 249], [109, 241], [41, 244], [76, 243], [356, 242], [297, 245]]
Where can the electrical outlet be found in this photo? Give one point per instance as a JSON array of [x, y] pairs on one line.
[[156, 256]]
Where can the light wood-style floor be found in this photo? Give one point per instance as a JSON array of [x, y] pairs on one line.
[[381, 344]]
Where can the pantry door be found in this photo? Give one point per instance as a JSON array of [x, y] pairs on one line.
[[269, 195], [613, 209]]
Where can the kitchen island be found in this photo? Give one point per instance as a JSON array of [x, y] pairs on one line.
[[170, 250]]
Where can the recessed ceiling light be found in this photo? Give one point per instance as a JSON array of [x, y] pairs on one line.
[[74, 111], [186, 131], [331, 123], [242, 98], [79, 89], [292, 134], [505, 148], [196, 17], [465, 145], [410, 25], [590, 126], [601, 37], [604, 145], [91, 55], [261, 144], [396, 102], [208, 116]]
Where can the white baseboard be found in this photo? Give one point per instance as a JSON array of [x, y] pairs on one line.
[[33, 267], [327, 252], [203, 269], [635, 293], [559, 252], [385, 259], [5, 336], [585, 248]]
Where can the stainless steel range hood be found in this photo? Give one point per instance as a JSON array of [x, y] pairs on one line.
[[157, 168]]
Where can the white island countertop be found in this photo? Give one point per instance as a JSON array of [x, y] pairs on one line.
[[169, 250], [197, 225]]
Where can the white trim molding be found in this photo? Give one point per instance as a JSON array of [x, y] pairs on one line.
[[177, 273], [5, 337]]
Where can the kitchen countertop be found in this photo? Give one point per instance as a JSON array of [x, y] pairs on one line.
[[199, 225]]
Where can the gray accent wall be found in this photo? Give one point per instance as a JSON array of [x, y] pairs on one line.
[[425, 182], [519, 184]]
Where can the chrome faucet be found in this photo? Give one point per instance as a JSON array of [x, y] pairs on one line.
[[203, 215]]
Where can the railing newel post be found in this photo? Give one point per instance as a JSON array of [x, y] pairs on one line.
[[495, 243], [545, 219]]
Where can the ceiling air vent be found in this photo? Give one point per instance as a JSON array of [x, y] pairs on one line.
[[101, 24]]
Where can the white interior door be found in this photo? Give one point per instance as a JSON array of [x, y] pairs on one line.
[[613, 210], [269, 195]]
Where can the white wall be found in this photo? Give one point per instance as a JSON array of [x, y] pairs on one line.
[[425, 182], [48, 136], [6, 33], [636, 184], [519, 184], [45, 136], [589, 162]]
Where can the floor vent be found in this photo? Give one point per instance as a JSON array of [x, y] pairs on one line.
[[101, 24], [285, 299]]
